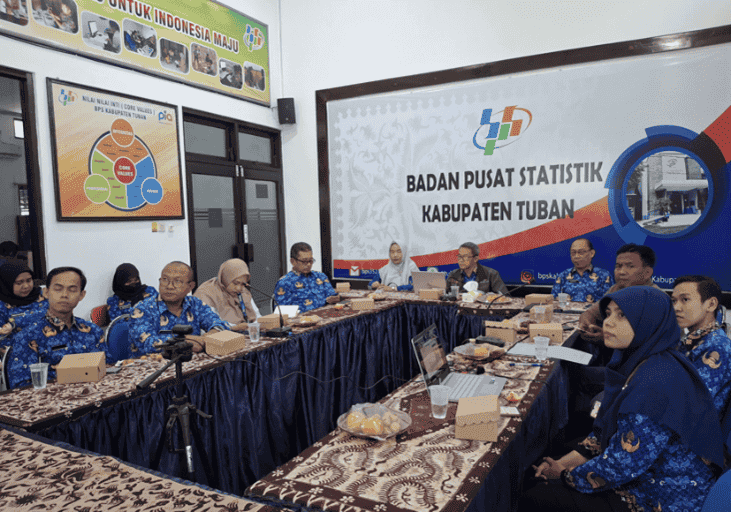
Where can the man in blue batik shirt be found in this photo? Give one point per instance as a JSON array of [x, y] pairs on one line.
[[57, 332], [152, 320], [584, 282], [696, 300], [301, 286]]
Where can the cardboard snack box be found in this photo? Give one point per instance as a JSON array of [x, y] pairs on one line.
[[553, 331], [342, 287], [538, 298], [91, 367], [431, 293], [271, 321], [224, 342], [504, 330], [477, 418], [361, 304]]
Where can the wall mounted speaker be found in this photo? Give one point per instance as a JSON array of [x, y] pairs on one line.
[[285, 107]]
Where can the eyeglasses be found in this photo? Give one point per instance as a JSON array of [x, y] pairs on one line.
[[579, 253], [307, 262], [177, 283], [464, 257]]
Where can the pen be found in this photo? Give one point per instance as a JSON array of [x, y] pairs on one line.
[[525, 364]]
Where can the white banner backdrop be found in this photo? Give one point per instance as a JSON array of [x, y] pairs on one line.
[[412, 166]]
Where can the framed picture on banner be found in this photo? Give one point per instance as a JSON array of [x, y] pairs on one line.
[[115, 157]]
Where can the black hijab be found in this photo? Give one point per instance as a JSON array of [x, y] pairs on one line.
[[9, 272], [133, 293]]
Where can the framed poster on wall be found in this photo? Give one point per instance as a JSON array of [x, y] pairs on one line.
[[115, 157]]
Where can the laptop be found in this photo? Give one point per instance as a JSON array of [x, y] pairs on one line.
[[429, 280], [435, 369]]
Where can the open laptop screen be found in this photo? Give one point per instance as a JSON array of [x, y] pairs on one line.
[[430, 353]]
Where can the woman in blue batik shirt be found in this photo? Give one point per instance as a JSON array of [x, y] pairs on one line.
[[657, 441], [21, 302], [397, 274], [128, 291]]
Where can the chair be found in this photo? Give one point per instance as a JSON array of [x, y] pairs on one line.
[[3, 357], [100, 316], [719, 499], [117, 336]]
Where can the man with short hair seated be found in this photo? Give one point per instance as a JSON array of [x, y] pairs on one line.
[[633, 267], [57, 332], [696, 300], [488, 279], [583, 282], [152, 320], [302, 286]]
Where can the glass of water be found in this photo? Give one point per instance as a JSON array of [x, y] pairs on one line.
[[39, 375], [541, 347], [254, 332], [439, 401]]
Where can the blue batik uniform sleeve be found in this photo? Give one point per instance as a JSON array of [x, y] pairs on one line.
[[119, 307], [23, 316], [307, 292], [42, 340], [607, 281], [206, 317], [151, 322], [646, 465], [712, 359], [376, 279], [407, 287], [144, 327]]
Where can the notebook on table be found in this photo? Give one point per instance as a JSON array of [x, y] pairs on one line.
[[435, 369]]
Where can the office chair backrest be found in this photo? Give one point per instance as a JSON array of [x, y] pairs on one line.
[[3, 374], [117, 336], [719, 499]]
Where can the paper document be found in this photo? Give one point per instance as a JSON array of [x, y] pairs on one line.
[[554, 352]]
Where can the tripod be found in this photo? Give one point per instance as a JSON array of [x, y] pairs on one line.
[[178, 351]]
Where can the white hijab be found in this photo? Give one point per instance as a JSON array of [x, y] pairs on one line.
[[397, 275]]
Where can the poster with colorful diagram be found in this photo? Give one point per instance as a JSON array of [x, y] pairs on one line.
[[116, 157]]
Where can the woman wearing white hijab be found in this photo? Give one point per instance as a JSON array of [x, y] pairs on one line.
[[229, 295], [397, 274]]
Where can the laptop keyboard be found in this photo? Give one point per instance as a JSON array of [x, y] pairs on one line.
[[463, 385]]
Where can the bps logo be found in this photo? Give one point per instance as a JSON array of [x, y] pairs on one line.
[[514, 122], [165, 117], [253, 38], [66, 97], [526, 276]]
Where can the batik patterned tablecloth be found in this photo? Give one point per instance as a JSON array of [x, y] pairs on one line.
[[425, 468], [40, 477], [26, 407]]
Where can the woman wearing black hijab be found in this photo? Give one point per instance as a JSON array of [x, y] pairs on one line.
[[128, 290], [21, 302]]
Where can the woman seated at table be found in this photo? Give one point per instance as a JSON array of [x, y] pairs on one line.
[[656, 442], [21, 302], [397, 274], [229, 295], [128, 291]]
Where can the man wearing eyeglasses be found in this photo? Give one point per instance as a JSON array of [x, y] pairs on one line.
[[153, 319], [583, 282], [488, 279], [302, 286]]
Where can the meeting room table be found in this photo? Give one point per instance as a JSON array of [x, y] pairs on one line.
[[269, 401]]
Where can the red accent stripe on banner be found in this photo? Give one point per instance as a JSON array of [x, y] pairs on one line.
[[587, 219], [720, 132]]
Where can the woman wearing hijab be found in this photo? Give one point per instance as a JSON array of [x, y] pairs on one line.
[[21, 303], [656, 442], [229, 294], [128, 291], [397, 274]]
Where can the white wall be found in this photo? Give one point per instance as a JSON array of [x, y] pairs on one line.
[[333, 43], [98, 247]]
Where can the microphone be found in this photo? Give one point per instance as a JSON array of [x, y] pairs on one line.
[[278, 332]]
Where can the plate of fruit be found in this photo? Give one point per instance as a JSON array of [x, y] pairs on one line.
[[374, 421]]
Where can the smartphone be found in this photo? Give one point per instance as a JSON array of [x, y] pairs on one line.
[[509, 411]]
